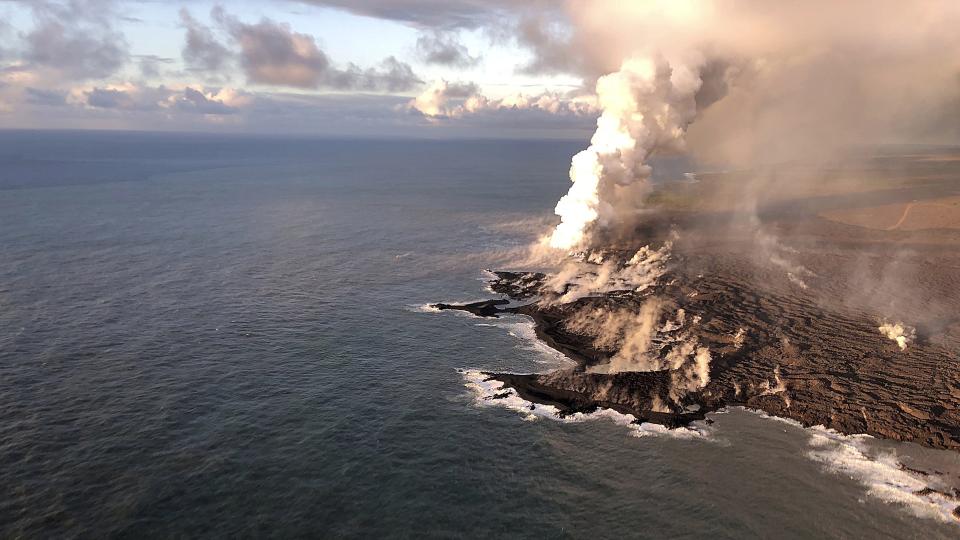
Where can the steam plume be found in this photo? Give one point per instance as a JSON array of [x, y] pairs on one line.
[[596, 275], [643, 341], [647, 106], [898, 332]]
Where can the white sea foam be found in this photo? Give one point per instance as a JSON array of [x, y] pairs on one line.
[[487, 391], [491, 393], [879, 470], [763, 414], [693, 431], [423, 308]]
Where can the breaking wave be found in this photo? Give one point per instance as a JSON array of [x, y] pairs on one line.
[[491, 393], [882, 473], [886, 478]]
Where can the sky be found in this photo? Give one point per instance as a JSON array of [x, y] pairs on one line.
[[320, 67], [752, 79]]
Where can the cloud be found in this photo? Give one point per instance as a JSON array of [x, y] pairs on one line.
[[443, 99], [47, 98], [18, 74], [150, 65], [166, 108], [542, 26], [195, 101], [446, 14], [5, 32], [272, 53], [49, 87], [391, 75], [132, 97], [202, 50], [546, 35], [443, 48], [435, 99], [377, 115], [75, 38], [124, 98]]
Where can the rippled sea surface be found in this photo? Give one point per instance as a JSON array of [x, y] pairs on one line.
[[220, 337]]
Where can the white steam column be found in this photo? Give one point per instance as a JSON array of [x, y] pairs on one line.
[[647, 106]]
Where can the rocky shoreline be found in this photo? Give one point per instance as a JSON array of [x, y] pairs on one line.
[[775, 343]]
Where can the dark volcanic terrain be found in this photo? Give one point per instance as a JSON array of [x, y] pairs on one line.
[[789, 304], [809, 350]]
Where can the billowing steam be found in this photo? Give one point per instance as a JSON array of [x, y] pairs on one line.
[[898, 332], [767, 82], [647, 106], [627, 332], [643, 341], [595, 274]]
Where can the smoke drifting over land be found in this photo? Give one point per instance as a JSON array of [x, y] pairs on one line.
[[810, 271], [670, 291], [756, 82]]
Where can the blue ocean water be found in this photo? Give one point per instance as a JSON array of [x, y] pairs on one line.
[[210, 336]]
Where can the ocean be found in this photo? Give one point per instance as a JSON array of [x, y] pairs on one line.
[[226, 336]]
